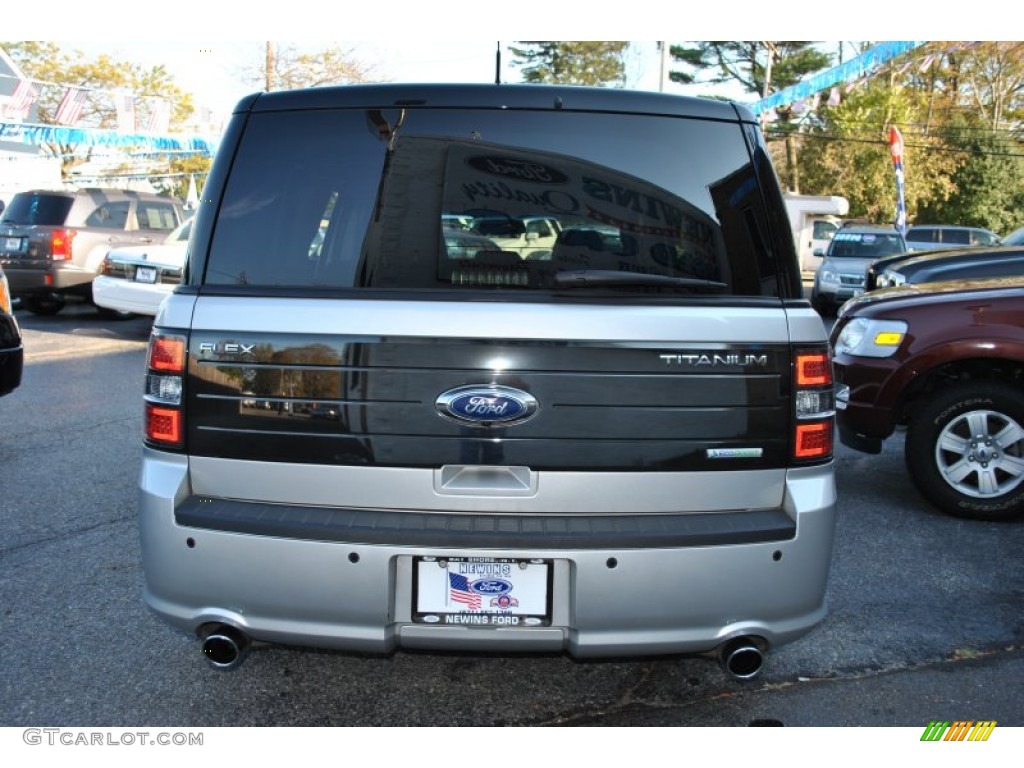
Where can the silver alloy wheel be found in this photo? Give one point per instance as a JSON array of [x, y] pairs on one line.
[[981, 454]]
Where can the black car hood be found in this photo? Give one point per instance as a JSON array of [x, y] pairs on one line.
[[928, 292]]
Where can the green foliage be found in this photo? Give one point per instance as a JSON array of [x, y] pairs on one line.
[[958, 106], [847, 153], [743, 62], [571, 63], [102, 76], [989, 184]]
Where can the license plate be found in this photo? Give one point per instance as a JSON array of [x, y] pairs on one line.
[[482, 592], [145, 275], [14, 244]]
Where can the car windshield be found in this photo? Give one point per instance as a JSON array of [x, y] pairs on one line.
[[865, 245]]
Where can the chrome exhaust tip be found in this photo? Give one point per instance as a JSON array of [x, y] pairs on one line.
[[742, 657], [224, 646]]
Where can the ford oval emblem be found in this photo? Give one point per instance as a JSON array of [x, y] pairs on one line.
[[487, 406], [490, 586]]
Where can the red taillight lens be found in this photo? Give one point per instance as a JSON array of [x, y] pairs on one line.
[[813, 405], [813, 441], [60, 244], [813, 370], [167, 354], [163, 425], [165, 381]]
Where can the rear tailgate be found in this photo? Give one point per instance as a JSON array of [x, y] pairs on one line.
[[645, 390]]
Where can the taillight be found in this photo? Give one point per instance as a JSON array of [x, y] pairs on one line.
[[165, 377], [814, 405], [60, 244]]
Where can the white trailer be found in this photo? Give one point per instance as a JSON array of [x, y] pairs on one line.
[[814, 219]]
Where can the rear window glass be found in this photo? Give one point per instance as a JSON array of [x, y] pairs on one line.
[[484, 199], [956, 236], [39, 209], [921, 234]]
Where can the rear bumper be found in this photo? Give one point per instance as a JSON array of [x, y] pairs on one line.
[[58, 278], [355, 591], [128, 296], [865, 415]]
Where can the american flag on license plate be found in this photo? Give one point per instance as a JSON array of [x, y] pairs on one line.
[[459, 591]]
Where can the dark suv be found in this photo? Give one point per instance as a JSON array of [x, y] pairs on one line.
[[11, 352], [52, 243], [357, 437], [946, 361]]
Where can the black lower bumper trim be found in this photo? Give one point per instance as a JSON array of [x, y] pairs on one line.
[[432, 529], [859, 442]]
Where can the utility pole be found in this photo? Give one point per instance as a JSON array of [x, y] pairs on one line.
[[269, 67], [663, 73], [771, 50]]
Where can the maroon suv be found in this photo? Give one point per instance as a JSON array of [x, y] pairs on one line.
[[945, 360]]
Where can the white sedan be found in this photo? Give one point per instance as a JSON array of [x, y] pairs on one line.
[[137, 278]]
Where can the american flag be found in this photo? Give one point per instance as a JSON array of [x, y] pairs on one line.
[[159, 115], [24, 96], [461, 593], [125, 103], [69, 112], [896, 148]]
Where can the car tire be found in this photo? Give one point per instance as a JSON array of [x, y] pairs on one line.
[[965, 450], [47, 306]]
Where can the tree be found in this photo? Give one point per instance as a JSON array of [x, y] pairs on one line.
[[746, 62], [571, 63], [102, 77], [759, 67], [988, 183], [285, 67], [846, 152]]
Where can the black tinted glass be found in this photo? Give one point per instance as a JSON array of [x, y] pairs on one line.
[[484, 200], [39, 209]]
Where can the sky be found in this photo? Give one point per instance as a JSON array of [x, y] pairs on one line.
[[215, 72], [451, 41]]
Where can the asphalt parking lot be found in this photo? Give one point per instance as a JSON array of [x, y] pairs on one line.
[[926, 611]]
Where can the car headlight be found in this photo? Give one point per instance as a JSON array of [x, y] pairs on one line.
[[5, 295], [863, 337], [828, 276], [887, 279]]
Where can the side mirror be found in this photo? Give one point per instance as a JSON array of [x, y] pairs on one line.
[[819, 252], [532, 236]]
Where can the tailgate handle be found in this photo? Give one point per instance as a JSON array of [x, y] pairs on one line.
[[476, 480]]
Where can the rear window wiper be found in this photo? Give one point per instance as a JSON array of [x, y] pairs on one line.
[[583, 278]]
